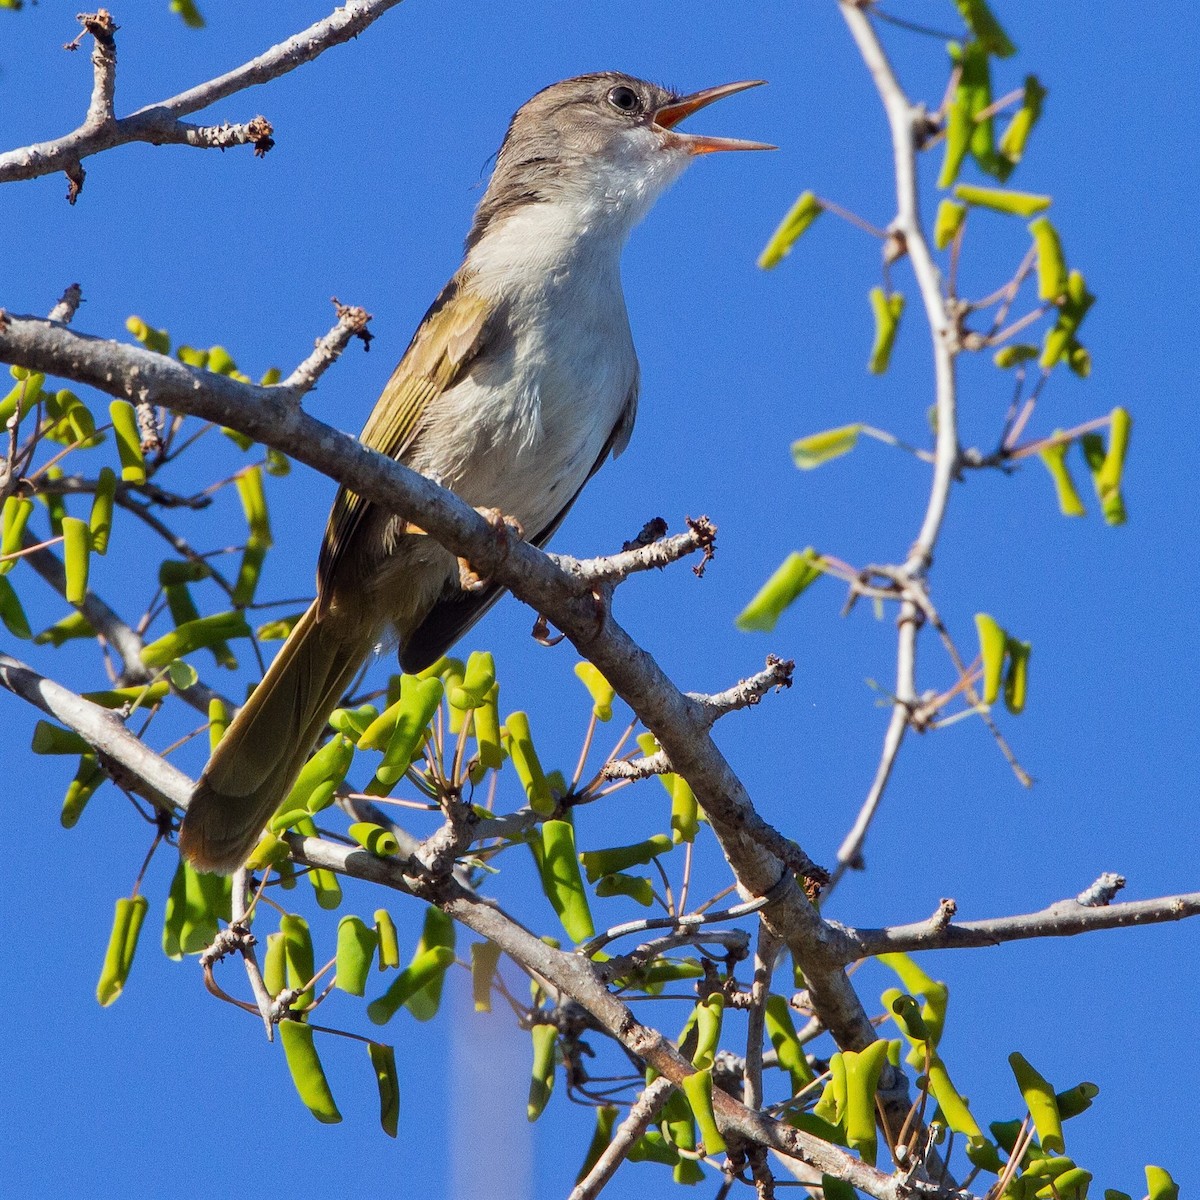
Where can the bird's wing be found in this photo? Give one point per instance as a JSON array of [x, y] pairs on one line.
[[457, 611], [448, 339]]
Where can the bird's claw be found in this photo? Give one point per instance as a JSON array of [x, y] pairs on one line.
[[504, 529]]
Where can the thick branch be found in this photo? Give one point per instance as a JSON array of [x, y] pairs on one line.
[[757, 852]]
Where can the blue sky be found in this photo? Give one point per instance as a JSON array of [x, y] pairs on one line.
[[382, 153]]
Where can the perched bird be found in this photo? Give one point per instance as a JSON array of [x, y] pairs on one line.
[[518, 384]]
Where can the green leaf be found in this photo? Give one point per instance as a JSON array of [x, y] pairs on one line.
[[561, 881], [1051, 265], [985, 28], [383, 1059], [192, 18], [129, 441], [1054, 458], [992, 640], [308, 1075], [799, 217], [527, 764], [600, 690], [1013, 139], [887, 310], [356, 945], [541, 1082], [194, 635], [797, 572], [122, 943], [11, 612], [1160, 1185], [182, 674], [698, 1089], [817, 448], [1020, 204], [948, 222], [636, 887], [1040, 1099], [598, 863], [1014, 355]]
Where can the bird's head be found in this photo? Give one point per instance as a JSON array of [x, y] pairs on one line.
[[605, 141]]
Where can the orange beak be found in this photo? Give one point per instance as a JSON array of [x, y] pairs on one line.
[[670, 115]]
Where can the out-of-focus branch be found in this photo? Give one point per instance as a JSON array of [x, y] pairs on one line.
[[904, 120], [160, 123]]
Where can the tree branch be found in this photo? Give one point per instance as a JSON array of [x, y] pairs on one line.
[[903, 121], [1066, 918], [757, 852], [160, 123]]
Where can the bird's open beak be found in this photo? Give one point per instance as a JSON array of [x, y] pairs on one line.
[[670, 115]]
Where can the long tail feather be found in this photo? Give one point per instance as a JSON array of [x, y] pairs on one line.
[[257, 761]]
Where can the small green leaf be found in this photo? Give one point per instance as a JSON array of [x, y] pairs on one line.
[[541, 1082], [181, 674], [1014, 355], [948, 222], [122, 943], [1051, 265], [797, 572], [129, 441], [527, 764], [193, 19], [992, 640], [1020, 204], [308, 1075], [1040, 1099], [984, 26], [383, 1059], [1054, 457], [887, 310], [799, 217], [636, 887], [598, 863], [817, 448], [600, 690]]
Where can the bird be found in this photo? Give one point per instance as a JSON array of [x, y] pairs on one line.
[[519, 383]]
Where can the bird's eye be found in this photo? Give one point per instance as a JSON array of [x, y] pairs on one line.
[[624, 98]]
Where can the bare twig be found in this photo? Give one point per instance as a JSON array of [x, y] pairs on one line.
[[1066, 918], [351, 323], [645, 1108], [68, 304], [160, 123], [906, 123], [776, 675], [661, 552], [638, 768]]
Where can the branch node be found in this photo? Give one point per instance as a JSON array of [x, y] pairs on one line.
[[653, 529], [68, 304], [259, 131], [1101, 893], [640, 768]]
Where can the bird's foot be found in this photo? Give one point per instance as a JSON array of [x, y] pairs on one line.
[[504, 528]]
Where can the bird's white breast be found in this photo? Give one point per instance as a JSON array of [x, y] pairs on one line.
[[522, 431]]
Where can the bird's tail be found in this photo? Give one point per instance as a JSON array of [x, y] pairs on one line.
[[255, 764]]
